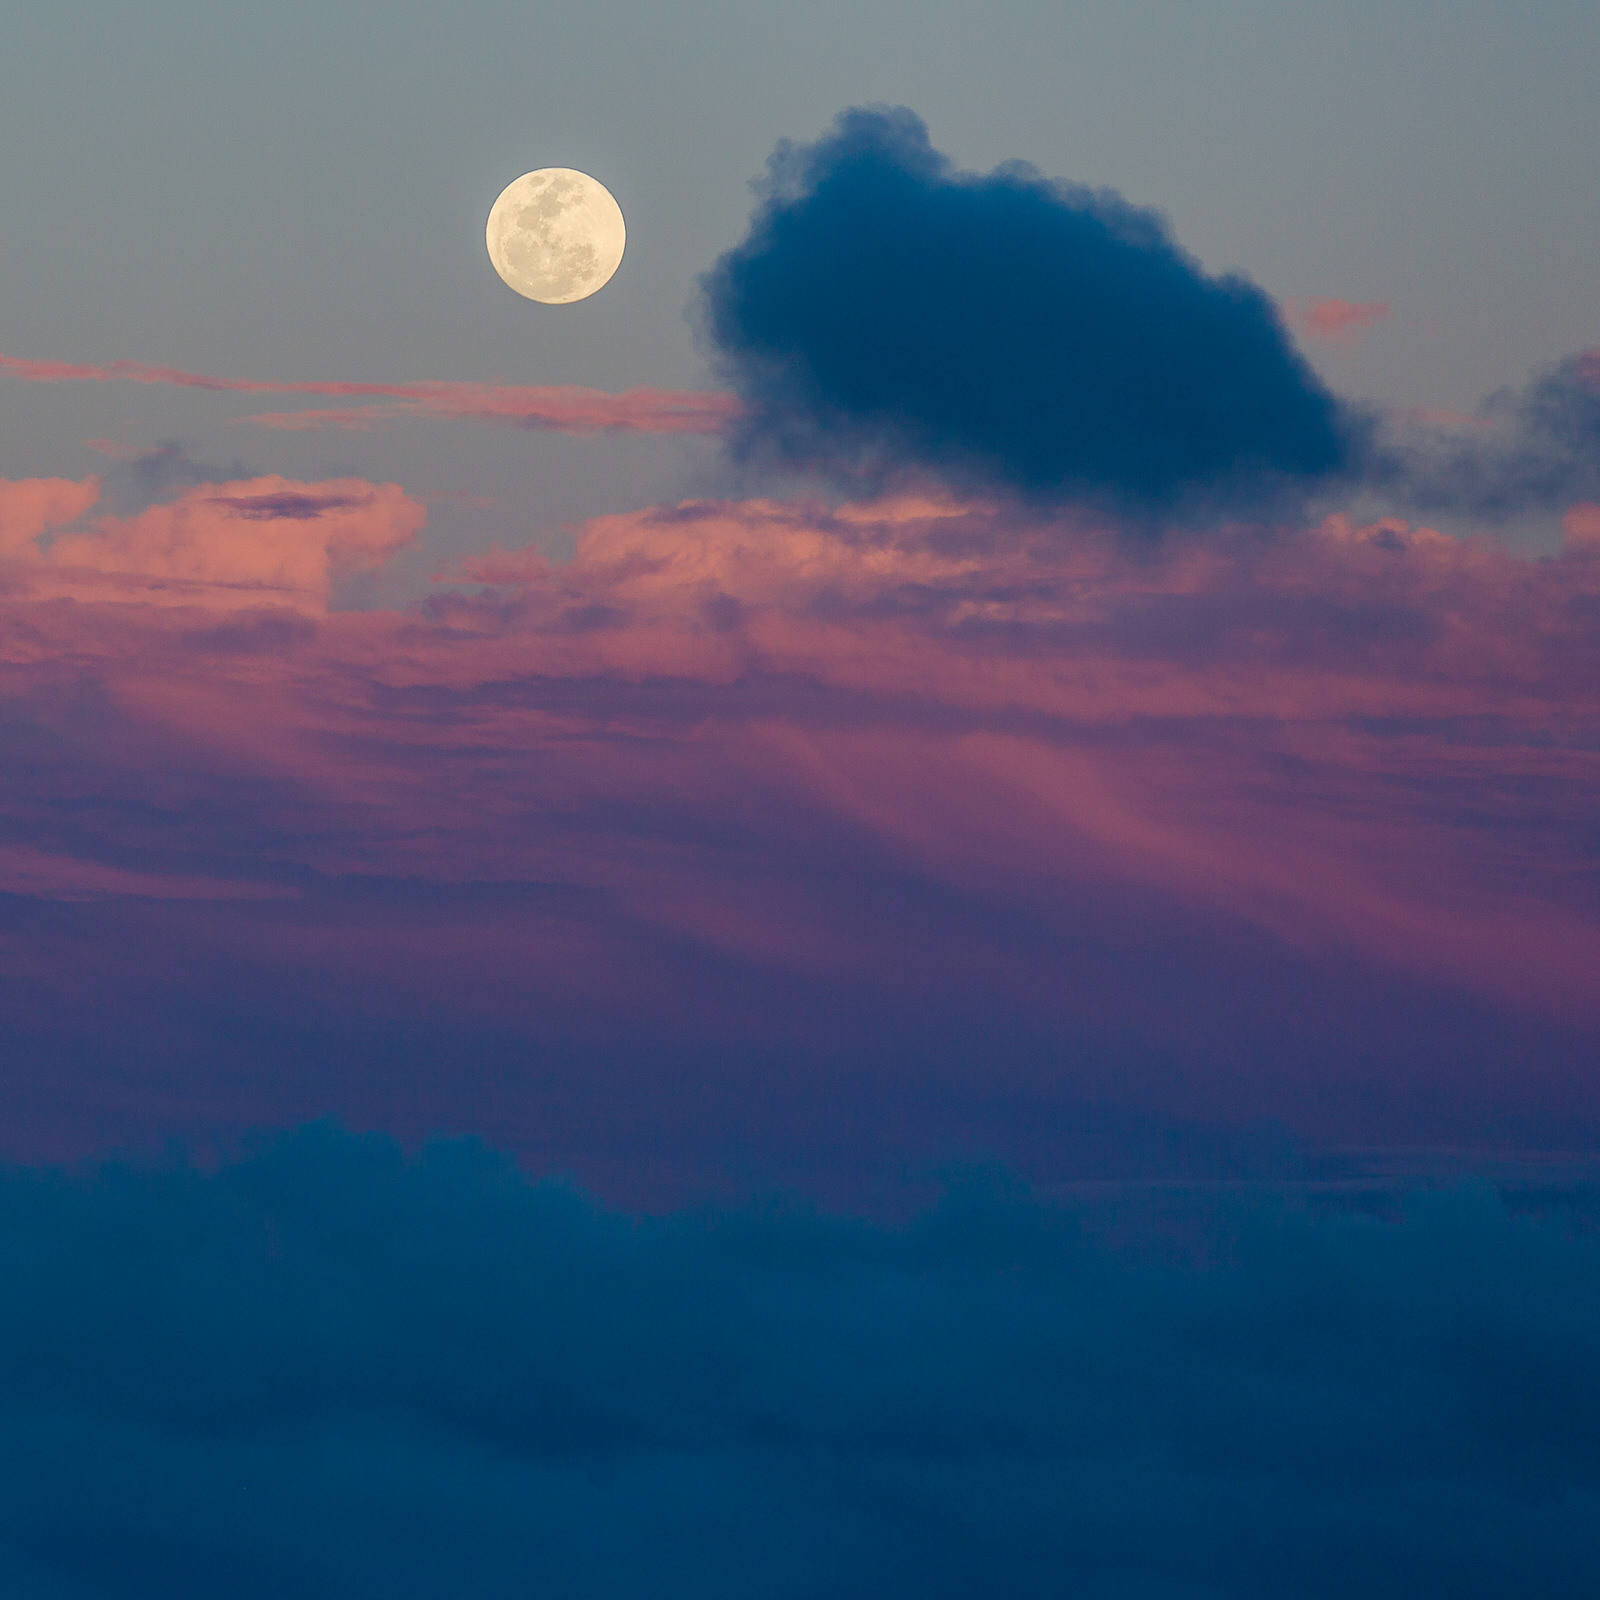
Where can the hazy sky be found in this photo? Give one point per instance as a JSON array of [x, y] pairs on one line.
[[299, 192]]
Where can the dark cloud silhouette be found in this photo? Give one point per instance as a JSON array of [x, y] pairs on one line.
[[327, 1370], [889, 312]]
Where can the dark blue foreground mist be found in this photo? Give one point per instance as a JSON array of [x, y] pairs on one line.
[[331, 1370]]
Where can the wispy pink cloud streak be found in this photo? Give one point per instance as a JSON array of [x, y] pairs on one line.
[[555, 408], [899, 754]]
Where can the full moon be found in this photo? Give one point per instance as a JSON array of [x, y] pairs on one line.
[[556, 235]]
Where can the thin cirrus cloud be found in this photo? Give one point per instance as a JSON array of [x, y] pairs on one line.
[[926, 757], [553, 408]]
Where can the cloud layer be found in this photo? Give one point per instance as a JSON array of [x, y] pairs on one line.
[[1334, 320], [329, 1371], [889, 312], [913, 791]]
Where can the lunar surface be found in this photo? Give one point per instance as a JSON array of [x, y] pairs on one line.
[[556, 235]]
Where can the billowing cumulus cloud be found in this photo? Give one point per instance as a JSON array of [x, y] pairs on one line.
[[889, 312], [911, 791], [330, 1371]]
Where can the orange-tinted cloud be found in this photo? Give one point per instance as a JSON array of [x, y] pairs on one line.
[[556, 408], [1336, 321]]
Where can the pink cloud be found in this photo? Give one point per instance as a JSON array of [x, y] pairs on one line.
[[559, 409], [953, 623], [32, 505], [1580, 529], [261, 541], [1337, 321], [763, 739], [923, 612]]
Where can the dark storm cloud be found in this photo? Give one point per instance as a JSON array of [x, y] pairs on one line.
[[328, 1371], [889, 312]]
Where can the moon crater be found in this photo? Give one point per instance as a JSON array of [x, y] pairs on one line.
[[556, 235]]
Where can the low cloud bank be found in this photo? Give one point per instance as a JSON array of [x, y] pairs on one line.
[[327, 1370]]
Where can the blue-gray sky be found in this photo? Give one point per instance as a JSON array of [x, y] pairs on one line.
[[299, 192]]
